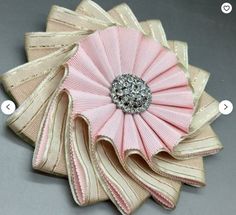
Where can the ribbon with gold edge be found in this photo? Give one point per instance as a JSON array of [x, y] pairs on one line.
[[26, 120]]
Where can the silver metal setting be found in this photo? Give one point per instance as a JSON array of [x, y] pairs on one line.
[[130, 94]]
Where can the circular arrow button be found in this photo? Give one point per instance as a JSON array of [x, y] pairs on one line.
[[8, 107], [225, 107]]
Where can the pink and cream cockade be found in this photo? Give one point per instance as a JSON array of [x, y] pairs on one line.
[[121, 76], [111, 104]]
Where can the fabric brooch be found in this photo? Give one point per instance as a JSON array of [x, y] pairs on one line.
[[109, 103]]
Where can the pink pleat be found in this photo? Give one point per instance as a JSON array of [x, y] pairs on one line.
[[94, 47], [129, 40], [77, 81], [131, 138], [164, 61], [166, 132], [82, 62], [151, 142], [98, 116], [83, 101], [147, 52], [174, 77], [113, 128], [179, 97], [111, 44], [179, 117]]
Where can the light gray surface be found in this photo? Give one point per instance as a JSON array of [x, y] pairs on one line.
[[211, 37]]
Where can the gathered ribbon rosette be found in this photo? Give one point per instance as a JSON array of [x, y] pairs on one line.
[[108, 102]]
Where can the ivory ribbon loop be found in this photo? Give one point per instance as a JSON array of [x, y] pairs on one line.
[[32, 89], [32, 74], [91, 9], [124, 16], [190, 171], [207, 112], [62, 149], [204, 143], [164, 191], [39, 44], [81, 175], [154, 29], [125, 193], [62, 19]]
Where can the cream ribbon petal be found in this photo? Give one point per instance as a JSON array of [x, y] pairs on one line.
[[66, 154], [91, 9], [62, 19], [154, 29], [204, 143], [125, 17], [32, 74], [39, 44], [190, 171]]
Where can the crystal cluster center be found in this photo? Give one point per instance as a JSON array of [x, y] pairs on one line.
[[130, 94]]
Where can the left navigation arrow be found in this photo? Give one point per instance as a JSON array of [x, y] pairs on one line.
[[8, 107]]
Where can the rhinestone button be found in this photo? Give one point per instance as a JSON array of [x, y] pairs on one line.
[[130, 94]]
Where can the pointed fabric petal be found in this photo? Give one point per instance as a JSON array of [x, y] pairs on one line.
[[164, 61], [166, 132], [179, 117], [77, 81], [131, 140], [94, 48], [82, 100], [151, 142], [128, 49], [98, 116], [178, 97], [173, 78], [83, 63], [110, 40], [113, 128], [146, 54]]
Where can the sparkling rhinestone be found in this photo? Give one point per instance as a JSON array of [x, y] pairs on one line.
[[130, 94]]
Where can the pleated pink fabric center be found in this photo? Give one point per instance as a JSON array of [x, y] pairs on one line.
[[106, 54]]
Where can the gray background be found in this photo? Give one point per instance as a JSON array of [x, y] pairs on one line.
[[211, 36]]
